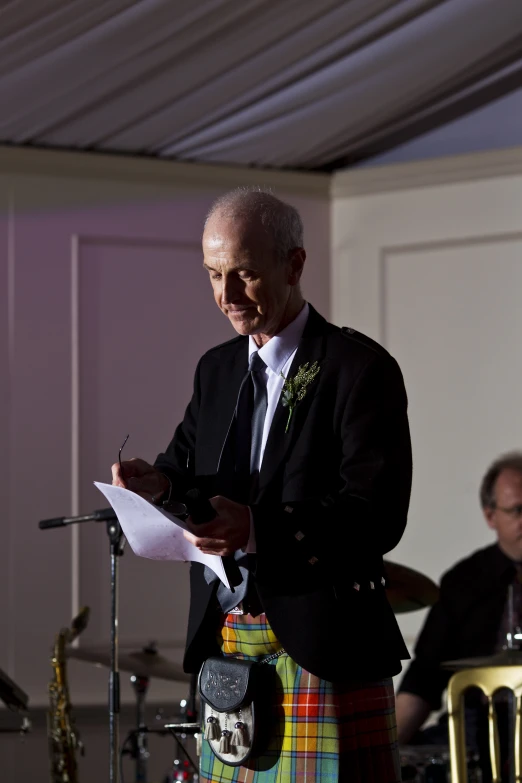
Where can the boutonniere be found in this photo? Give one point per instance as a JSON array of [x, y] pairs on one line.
[[294, 389]]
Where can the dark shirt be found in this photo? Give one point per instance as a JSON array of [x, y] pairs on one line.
[[464, 622]]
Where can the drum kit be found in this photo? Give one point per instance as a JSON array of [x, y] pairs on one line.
[[142, 665], [407, 590]]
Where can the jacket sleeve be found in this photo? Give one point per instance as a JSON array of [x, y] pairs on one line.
[[177, 462], [366, 516]]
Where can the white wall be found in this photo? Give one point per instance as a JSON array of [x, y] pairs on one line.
[[105, 311], [432, 269]]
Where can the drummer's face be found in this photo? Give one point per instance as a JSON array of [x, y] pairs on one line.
[[506, 517]]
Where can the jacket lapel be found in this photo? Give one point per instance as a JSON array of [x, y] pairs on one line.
[[311, 348], [228, 379]]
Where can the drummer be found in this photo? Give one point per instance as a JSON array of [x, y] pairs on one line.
[[471, 617]]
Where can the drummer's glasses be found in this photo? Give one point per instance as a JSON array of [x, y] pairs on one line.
[[515, 512]]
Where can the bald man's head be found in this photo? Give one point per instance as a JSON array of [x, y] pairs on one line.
[[256, 207]]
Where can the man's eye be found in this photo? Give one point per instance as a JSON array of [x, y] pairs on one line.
[[245, 274], [215, 276]]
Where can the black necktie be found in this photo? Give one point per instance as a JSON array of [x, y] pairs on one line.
[[250, 419], [257, 367]]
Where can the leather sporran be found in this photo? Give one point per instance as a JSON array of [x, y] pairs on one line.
[[237, 705]]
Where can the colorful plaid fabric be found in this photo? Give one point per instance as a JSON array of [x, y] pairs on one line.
[[324, 731]]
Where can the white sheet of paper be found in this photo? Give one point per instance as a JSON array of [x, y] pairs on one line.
[[153, 532]]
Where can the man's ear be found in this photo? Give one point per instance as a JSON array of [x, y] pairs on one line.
[[489, 516], [296, 262]]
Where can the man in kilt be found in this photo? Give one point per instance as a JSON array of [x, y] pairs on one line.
[[297, 432]]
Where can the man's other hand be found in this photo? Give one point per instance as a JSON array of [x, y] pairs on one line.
[[225, 534], [140, 477]]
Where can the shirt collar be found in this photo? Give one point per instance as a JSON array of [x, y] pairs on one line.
[[277, 351]]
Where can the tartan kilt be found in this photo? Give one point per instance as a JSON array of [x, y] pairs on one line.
[[323, 731]]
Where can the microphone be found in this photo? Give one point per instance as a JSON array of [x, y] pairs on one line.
[[101, 515], [200, 509]]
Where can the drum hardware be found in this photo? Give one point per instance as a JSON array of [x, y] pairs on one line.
[[141, 751], [185, 769], [408, 590], [431, 764], [424, 763], [184, 766], [142, 664], [138, 738]]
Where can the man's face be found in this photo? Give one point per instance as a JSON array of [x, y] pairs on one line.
[[251, 285], [506, 517]]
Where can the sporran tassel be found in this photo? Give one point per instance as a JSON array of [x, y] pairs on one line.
[[224, 745], [239, 735], [212, 729]]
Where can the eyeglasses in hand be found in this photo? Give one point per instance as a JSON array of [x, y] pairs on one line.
[[119, 455]]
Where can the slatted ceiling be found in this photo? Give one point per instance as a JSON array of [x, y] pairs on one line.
[[293, 84]]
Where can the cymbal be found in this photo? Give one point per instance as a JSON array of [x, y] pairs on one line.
[[408, 590], [503, 658], [147, 662]]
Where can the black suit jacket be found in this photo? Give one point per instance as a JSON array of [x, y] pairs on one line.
[[332, 498]]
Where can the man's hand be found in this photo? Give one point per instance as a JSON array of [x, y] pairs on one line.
[[226, 533], [141, 478]]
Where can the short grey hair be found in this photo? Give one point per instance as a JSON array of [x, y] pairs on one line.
[[282, 221], [510, 461]]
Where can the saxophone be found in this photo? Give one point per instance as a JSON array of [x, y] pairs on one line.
[[64, 739]]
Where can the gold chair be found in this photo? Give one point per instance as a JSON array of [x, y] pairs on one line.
[[489, 679]]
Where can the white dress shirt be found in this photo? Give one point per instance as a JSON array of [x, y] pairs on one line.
[[277, 354]]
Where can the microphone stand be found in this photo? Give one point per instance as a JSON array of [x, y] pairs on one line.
[[117, 544], [115, 534]]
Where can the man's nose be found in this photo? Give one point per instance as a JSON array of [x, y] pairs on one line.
[[231, 290]]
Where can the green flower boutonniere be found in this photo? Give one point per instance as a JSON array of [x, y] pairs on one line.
[[294, 389]]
